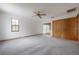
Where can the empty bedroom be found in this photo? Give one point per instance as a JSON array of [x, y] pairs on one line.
[[39, 28]]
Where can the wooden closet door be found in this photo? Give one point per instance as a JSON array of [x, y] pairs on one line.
[[70, 31], [58, 28], [78, 26]]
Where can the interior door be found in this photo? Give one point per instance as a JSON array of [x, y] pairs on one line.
[[78, 25], [58, 28], [71, 29]]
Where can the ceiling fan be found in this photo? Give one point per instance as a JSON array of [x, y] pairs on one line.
[[39, 13]]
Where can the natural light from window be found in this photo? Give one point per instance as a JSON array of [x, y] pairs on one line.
[[15, 25]]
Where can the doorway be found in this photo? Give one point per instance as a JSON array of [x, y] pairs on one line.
[[46, 28]]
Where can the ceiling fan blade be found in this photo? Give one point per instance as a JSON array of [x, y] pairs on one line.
[[42, 14]]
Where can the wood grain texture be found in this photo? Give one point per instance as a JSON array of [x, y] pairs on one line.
[[70, 31], [78, 26], [66, 28], [58, 28]]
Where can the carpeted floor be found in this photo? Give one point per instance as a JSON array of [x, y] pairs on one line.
[[39, 45]]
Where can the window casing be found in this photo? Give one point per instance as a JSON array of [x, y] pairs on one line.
[[14, 25]]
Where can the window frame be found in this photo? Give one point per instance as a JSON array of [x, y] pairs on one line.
[[16, 30]]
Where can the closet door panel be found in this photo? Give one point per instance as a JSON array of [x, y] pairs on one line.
[[78, 27], [70, 29], [58, 28]]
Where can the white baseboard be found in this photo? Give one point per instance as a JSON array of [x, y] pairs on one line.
[[21, 37]]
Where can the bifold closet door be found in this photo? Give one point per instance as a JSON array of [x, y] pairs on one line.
[[70, 31], [78, 27], [66, 28], [58, 28]]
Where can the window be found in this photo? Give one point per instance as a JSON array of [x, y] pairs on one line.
[[14, 25]]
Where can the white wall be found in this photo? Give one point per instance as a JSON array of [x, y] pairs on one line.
[[27, 26], [0, 24]]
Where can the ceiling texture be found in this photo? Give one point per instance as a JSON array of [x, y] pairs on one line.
[[27, 9]]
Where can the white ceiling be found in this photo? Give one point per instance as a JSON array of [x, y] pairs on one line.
[[26, 9]]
